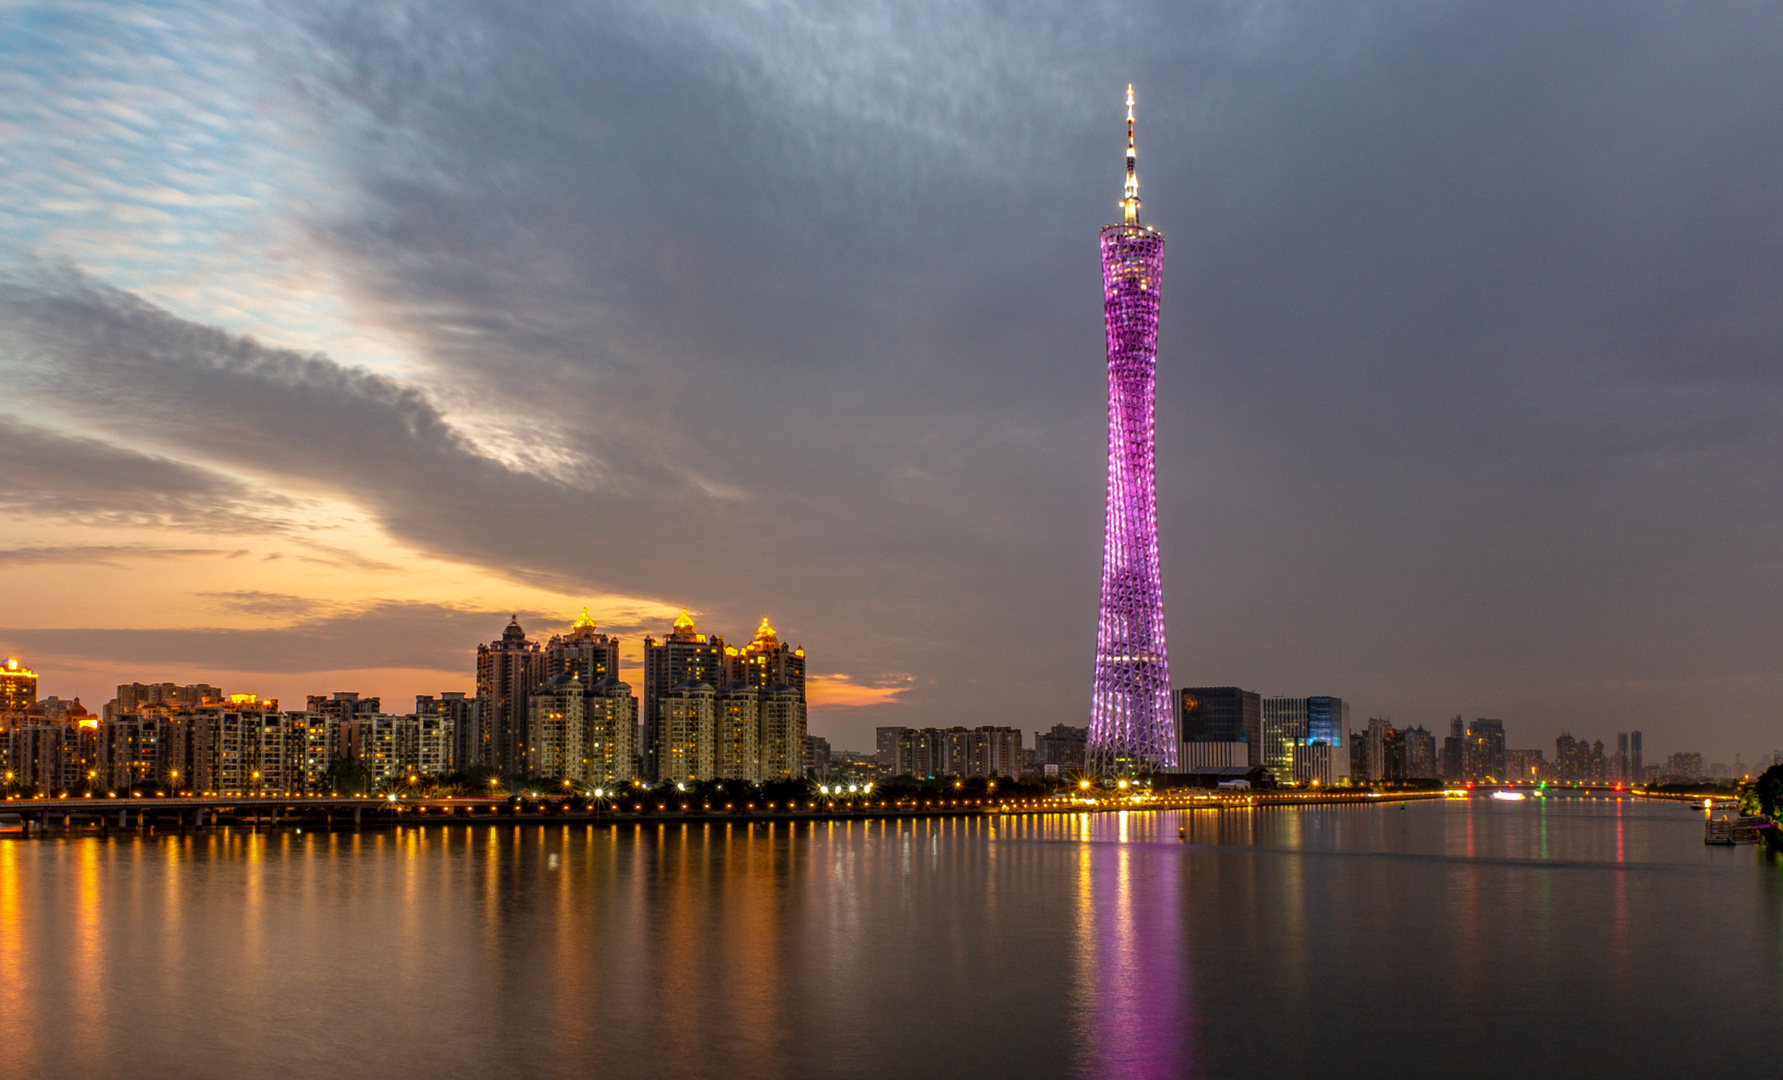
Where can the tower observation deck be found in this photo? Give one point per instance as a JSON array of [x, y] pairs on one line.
[[1132, 726]]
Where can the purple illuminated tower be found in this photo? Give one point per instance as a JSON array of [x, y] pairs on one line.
[[1132, 727]]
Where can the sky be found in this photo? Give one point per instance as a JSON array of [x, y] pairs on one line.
[[332, 334]]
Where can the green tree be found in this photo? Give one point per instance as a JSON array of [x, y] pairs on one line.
[[1763, 795]]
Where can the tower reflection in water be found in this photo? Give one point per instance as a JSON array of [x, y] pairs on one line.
[[1131, 995]]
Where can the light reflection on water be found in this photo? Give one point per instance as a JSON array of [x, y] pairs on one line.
[[1592, 936]]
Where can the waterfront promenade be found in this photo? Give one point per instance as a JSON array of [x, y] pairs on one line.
[[61, 816]]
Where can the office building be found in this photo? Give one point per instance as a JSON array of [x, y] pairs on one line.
[[1220, 726], [1305, 740]]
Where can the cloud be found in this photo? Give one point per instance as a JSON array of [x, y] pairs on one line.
[[100, 554], [828, 690], [383, 634], [1467, 389], [67, 478]]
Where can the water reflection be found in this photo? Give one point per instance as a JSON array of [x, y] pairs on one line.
[[1029, 946], [1130, 973]]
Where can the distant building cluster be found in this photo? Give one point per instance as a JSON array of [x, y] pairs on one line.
[[555, 709]]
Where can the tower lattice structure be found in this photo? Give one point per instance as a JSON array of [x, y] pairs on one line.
[[1132, 726]]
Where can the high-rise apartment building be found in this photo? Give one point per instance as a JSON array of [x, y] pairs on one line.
[[581, 732], [1454, 753], [1420, 754], [817, 757], [1683, 768], [737, 709], [1578, 761], [989, 750], [686, 656], [685, 737], [556, 728], [465, 715], [507, 671], [776, 670], [885, 745], [783, 730], [611, 713], [18, 687], [163, 698], [1483, 756], [1525, 766], [1384, 752], [766, 661], [592, 655]]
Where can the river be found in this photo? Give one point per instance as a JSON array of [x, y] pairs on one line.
[[1456, 939]]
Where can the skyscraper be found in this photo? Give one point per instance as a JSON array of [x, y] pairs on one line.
[[18, 687], [592, 655], [765, 661], [1304, 739], [685, 656], [1222, 726], [507, 670], [465, 715], [1483, 756], [1131, 724], [1420, 754], [555, 728]]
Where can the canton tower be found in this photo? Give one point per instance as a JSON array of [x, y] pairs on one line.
[[1132, 726]]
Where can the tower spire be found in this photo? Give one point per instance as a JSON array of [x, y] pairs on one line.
[[1130, 200]]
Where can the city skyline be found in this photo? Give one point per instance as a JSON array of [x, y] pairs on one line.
[[325, 346]]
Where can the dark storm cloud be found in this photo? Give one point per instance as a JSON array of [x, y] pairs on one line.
[[44, 474], [1469, 382]]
